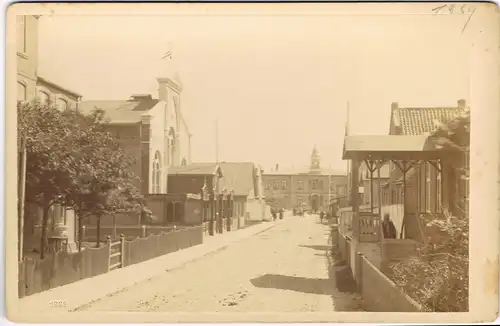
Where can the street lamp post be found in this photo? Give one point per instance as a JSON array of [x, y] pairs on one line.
[[230, 209]]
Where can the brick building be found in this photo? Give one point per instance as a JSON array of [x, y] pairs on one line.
[[151, 129], [312, 187], [30, 86], [27, 56], [242, 178], [49, 91]]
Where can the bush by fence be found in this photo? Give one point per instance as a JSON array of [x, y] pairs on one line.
[[64, 268]]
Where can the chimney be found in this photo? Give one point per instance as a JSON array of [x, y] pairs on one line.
[[277, 167], [461, 104], [141, 97], [394, 106]]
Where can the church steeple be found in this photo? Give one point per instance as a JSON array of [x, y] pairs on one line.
[[315, 159]]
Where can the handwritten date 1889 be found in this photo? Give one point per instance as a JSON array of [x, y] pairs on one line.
[[463, 9], [454, 9]]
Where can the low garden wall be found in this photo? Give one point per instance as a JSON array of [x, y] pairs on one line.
[[379, 293]]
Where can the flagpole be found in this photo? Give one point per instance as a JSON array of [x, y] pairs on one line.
[[348, 161], [217, 140]]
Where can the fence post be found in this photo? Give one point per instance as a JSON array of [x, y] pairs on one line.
[[143, 231], [108, 240], [122, 249], [359, 271], [84, 232]]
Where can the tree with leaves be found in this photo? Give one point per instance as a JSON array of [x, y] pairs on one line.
[[74, 162], [105, 186], [50, 163]]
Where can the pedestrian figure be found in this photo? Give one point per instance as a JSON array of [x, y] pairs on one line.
[[321, 215], [281, 213], [273, 213], [388, 227]]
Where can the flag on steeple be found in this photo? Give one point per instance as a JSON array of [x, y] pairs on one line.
[[168, 54]]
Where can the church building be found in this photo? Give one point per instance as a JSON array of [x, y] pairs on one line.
[[311, 187], [151, 129]]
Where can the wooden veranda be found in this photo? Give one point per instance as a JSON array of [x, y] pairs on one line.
[[406, 152]]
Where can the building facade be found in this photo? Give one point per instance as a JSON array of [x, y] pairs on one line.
[[152, 130], [27, 56], [49, 92], [242, 179], [29, 87], [313, 187]]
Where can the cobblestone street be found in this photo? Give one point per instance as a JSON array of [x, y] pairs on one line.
[[284, 269]]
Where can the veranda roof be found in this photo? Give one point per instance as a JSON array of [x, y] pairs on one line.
[[391, 147]]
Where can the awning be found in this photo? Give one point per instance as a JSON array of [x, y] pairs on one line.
[[391, 147]]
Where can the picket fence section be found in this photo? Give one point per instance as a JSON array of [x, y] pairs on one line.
[[63, 268]]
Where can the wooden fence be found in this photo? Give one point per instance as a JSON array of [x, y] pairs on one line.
[[63, 268]]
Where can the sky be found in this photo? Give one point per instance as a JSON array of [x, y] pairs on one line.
[[277, 84]]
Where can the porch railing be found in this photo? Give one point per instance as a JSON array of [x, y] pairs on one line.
[[368, 227]]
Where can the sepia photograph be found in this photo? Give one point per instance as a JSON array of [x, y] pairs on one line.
[[252, 162]]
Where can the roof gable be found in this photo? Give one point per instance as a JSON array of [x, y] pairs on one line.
[[238, 176]]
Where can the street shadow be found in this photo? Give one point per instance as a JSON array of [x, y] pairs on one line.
[[294, 283], [317, 247], [339, 272]]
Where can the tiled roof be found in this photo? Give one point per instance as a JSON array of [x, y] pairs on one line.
[[419, 121], [119, 111]]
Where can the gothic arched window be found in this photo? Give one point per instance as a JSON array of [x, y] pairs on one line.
[[171, 147], [44, 97], [156, 176], [61, 104], [21, 92]]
